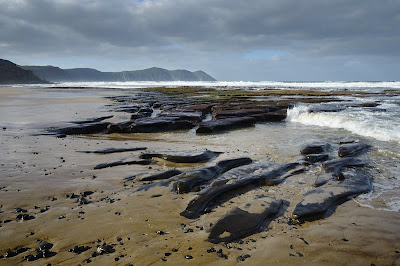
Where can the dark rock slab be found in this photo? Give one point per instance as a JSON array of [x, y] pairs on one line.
[[314, 148], [195, 117], [254, 174], [244, 220], [183, 156], [118, 163], [187, 181], [92, 128], [348, 150], [214, 126], [162, 176], [115, 150], [316, 202], [222, 114], [313, 158], [93, 120], [270, 117], [184, 182], [153, 125], [337, 165]]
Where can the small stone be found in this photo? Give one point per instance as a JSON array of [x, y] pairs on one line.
[[167, 254], [19, 210], [43, 246], [160, 232], [105, 249], [188, 257], [174, 250], [210, 250]]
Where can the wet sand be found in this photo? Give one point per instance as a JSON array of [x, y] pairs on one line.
[[39, 170]]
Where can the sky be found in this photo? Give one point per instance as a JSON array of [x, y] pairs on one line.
[[253, 40]]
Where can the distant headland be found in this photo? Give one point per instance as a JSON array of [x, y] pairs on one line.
[[11, 73]]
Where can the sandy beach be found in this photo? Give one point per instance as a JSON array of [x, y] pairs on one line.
[[40, 174]]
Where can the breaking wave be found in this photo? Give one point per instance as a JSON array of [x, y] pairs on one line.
[[380, 125]]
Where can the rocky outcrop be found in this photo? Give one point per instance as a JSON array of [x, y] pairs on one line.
[[183, 156], [214, 126], [316, 202], [11, 73]]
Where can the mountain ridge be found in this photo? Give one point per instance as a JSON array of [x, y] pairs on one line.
[[56, 74]]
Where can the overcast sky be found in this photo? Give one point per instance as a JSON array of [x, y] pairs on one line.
[[251, 40]]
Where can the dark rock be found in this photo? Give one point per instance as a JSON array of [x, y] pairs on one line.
[[313, 158], [270, 117], [244, 220], [214, 126], [223, 114], [156, 124], [221, 254], [160, 232], [79, 249], [86, 193], [195, 117], [83, 201], [187, 181], [211, 250], [243, 257], [115, 150], [92, 128], [105, 249], [184, 156], [20, 210], [93, 120], [118, 163], [314, 148], [25, 217], [316, 202], [348, 150], [43, 246], [188, 257], [370, 104], [337, 165], [10, 254], [162, 176], [254, 174]]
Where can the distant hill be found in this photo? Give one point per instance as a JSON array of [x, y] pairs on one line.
[[56, 74], [11, 73]]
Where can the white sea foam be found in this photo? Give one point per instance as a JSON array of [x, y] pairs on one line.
[[323, 85], [377, 125]]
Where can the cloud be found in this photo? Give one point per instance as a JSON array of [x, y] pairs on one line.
[[166, 29]]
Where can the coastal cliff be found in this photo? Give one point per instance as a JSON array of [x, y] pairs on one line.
[[11, 73]]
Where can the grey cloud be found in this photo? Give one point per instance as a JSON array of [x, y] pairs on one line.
[[164, 29]]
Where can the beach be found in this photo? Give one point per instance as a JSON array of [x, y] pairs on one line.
[[49, 176]]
